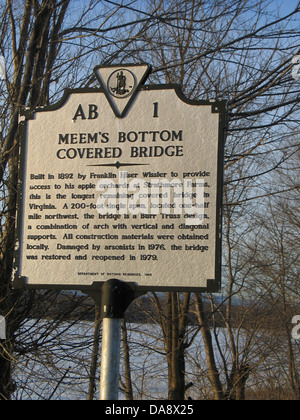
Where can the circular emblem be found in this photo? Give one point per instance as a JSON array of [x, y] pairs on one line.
[[121, 83]]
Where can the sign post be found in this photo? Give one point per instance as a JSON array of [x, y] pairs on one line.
[[116, 297], [131, 189]]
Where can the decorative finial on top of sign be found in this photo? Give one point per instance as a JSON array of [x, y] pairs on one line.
[[121, 83]]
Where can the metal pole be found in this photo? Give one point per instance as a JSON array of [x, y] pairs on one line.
[[110, 359], [115, 299]]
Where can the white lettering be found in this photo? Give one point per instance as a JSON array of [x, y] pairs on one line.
[[296, 329], [2, 328]]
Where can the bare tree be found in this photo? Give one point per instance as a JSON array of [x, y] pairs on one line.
[[212, 52], [48, 45], [238, 50]]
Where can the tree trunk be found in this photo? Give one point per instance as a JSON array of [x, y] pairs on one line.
[[128, 382], [175, 350], [237, 383], [210, 357], [95, 353], [7, 301], [29, 50]]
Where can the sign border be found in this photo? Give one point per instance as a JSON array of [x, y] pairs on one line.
[[218, 106]]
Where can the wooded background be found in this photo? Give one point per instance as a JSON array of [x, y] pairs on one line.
[[239, 50]]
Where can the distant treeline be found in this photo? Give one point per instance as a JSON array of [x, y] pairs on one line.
[[76, 306]]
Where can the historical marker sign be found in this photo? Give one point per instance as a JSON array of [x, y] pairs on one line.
[[122, 181]]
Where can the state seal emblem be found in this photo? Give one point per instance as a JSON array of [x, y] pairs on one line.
[[121, 83]]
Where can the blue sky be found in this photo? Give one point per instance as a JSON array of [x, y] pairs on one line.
[[286, 6]]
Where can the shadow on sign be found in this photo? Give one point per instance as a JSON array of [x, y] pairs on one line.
[[2, 328]]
